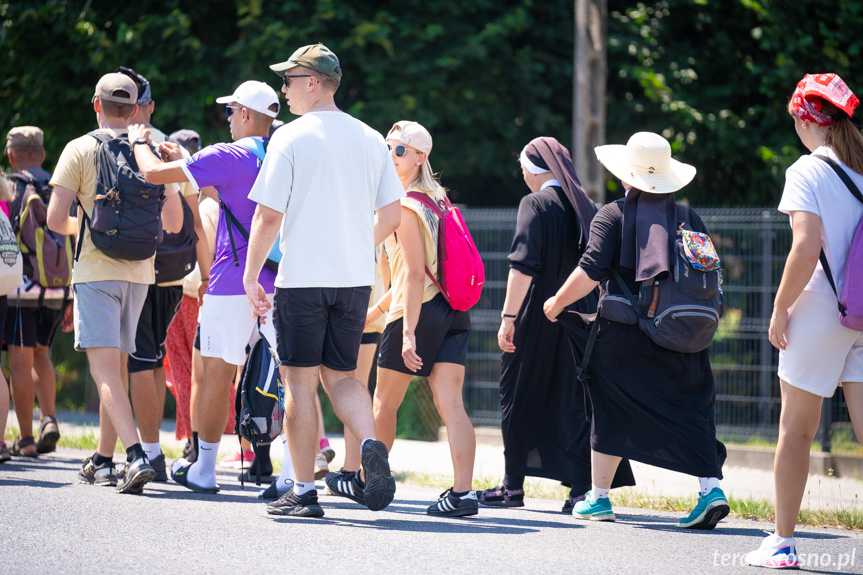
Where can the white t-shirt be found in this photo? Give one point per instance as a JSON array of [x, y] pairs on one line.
[[812, 186], [328, 173]]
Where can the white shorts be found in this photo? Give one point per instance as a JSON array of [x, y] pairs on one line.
[[227, 327], [821, 352]]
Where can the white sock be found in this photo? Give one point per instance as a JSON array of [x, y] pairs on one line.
[[287, 472], [203, 471], [153, 450], [707, 484], [597, 493], [778, 539], [301, 487], [363, 444]]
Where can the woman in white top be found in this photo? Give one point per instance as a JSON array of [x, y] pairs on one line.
[[816, 352], [423, 336]]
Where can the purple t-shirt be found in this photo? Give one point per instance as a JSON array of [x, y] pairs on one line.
[[232, 170]]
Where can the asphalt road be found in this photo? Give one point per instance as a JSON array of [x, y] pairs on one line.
[[51, 524]]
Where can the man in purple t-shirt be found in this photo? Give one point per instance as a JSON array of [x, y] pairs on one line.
[[224, 172]]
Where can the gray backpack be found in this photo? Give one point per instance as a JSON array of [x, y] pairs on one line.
[[679, 310]]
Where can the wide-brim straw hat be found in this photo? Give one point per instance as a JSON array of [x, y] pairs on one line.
[[645, 163]]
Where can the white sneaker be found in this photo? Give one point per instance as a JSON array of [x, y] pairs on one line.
[[775, 553]]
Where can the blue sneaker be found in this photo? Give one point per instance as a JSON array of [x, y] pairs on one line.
[[599, 511], [710, 509]]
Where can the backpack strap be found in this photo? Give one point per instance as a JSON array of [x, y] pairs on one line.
[[441, 214], [849, 183], [85, 220], [581, 369], [625, 289]]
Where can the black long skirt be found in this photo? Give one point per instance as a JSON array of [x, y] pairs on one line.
[[649, 404], [544, 412]]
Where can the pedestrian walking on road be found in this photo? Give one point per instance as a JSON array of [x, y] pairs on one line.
[[650, 403], [816, 352], [328, 183], [545, 427], [109, 291], [424, 336]]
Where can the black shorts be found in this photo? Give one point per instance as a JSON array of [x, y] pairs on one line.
[[441, 335], [197, 343], [370, 337], [29, 326], [317, 326], [159, 310]]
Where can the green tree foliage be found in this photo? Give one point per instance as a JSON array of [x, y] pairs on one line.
[[715, 77], [485, 76]]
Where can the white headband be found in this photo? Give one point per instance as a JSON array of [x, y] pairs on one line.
[[529, 166]]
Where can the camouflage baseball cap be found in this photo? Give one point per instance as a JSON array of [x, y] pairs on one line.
[[315, 57]]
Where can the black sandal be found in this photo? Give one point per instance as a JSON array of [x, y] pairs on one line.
[[48, 438], [23, 443]]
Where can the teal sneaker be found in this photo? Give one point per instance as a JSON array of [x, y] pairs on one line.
[[599, 511], [710, 509]]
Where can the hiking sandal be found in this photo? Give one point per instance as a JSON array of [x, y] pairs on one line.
[[48, 438], [23, 443]]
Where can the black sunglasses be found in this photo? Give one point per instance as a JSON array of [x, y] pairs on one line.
[[229, 110], [400, 150], [286, 79]]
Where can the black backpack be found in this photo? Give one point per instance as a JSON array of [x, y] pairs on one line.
[[126, 223], [260, 400], [176, 255], [678, 310]]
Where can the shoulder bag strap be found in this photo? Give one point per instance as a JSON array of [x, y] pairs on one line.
[[232, 222]]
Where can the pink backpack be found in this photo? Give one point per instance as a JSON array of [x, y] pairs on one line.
[[851, 296], [459, 264]]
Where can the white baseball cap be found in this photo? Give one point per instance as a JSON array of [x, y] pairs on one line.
[[254, 95]]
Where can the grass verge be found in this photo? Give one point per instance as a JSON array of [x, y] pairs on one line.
[[756, 509]]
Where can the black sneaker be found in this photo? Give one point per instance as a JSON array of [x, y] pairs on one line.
[[158, 465], [346, 484], [290, 503], [97, 474], [451, 506], [136, 474], [380, 486]]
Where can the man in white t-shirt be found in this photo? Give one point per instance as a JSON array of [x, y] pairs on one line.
[[328, 181]]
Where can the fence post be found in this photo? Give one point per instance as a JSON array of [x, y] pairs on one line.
[[766, 379], [826, 428]]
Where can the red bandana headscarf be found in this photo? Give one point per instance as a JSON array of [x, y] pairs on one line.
[[806, 100]]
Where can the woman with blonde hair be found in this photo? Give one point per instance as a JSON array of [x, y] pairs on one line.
[[424, 336], [816, 352]]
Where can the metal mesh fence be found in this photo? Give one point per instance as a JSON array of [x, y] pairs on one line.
[[753, 244]]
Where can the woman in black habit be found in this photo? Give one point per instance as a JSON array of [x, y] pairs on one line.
[[543, 419], [649, 403]]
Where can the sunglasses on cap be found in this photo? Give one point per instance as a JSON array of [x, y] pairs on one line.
[[400, 150]]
